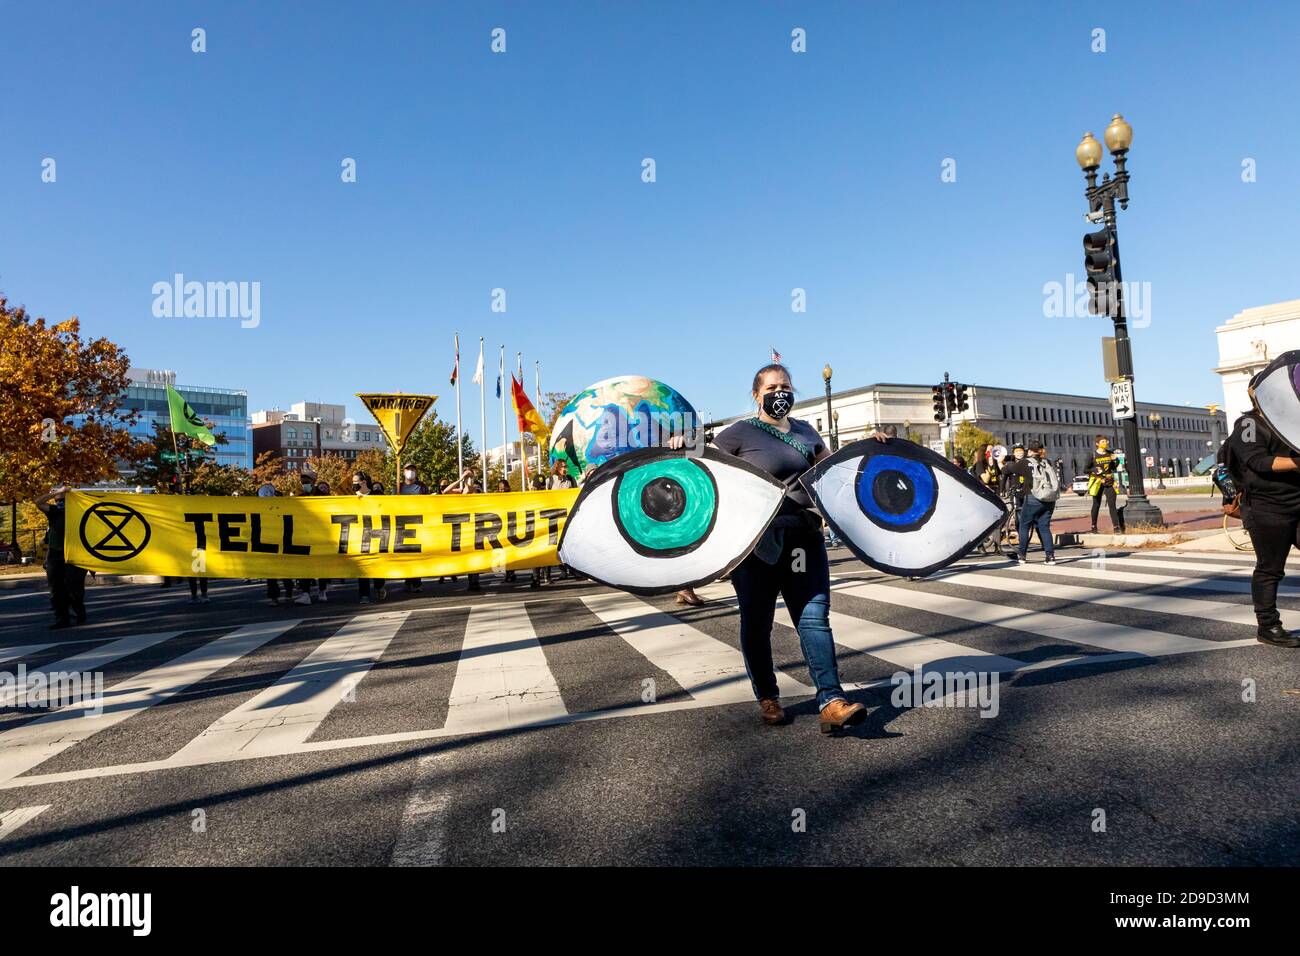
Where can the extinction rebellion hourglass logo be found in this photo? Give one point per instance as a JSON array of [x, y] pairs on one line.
[[114, 532]]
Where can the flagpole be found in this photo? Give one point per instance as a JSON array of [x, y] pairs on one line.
[[523, 456], [482, 411], [537, 384], [505, 437], [460, 444]]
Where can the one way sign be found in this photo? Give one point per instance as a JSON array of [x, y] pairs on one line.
[[1121, 400]]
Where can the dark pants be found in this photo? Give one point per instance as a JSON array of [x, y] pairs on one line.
[[1273, 534], [197, 585], [67, 589], [273, 588], [364, 585], [807, 594], [1036, 515], [1107, 491]]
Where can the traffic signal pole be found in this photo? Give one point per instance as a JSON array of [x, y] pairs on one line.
[[1101, 198]]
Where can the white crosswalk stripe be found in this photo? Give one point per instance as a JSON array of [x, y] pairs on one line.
[[31, 744], [1105, 570], [703, 666], [503, 680], [1058, 627], [1200, 608], [286, 713]]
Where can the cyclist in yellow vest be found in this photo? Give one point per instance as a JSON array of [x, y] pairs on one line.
[[1101, 469]]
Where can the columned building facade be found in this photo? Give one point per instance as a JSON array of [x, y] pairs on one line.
[[1248, 343]]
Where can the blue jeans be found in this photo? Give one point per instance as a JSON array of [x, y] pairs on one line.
[[1036, 514], [807, 596]]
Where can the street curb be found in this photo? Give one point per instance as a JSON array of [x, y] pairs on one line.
[[36, 582], [1066, 538]]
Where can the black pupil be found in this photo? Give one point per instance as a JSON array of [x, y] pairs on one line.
[[893, 491], [663, 499]]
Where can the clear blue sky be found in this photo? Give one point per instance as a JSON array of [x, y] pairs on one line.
[[523, 171]]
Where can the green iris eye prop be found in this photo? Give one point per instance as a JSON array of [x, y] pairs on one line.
[[665, 508]]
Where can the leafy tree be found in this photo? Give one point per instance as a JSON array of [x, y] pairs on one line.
[[335, 471], [49, 374], [431, 447], [970, 438], [164, 476]]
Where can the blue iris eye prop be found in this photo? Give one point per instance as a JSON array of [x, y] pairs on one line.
[[902, 508], [896, 493]]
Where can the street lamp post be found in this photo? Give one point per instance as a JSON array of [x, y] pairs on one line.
[[835, 428], [830, 415], [1160, 475], [1101, 207]]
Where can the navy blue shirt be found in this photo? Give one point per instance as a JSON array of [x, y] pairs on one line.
[[774, 456]]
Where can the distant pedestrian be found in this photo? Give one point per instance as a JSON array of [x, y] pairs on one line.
[[1102, 468], [1042, 487]]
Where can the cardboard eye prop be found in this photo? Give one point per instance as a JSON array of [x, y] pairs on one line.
[[658, 520], [1276, 394], [902, 508]]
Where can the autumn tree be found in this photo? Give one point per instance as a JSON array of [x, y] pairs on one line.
[[50, 376], [335, 471], [970, 438]]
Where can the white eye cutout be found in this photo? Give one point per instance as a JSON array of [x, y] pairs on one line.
[[902, 508], [657, 520], [1276, 394]]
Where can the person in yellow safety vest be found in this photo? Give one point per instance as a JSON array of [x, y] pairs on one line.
[[1101, 469]]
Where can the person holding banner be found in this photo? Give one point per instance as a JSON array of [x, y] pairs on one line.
[[273, 585], [412, 485], [67, 581], [313, 487], [362, 486]]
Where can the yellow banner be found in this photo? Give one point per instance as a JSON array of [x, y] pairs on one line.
[[376, 536], [397, 414]]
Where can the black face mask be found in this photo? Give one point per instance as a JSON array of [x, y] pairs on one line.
[[778, 404]]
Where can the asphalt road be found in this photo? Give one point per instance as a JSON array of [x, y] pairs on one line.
[[577, 725]]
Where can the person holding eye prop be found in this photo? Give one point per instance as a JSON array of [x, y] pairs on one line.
[[785, 448]]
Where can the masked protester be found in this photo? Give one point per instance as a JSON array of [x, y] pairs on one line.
[[273, 585], [1267, 473], [1102, 468], [313, 487], [362, 486], [785, 448], [67, 581], [412, 485]]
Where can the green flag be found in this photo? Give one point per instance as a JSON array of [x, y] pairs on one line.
[[185, 421]]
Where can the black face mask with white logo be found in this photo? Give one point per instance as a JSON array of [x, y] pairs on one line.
[[778, 404]]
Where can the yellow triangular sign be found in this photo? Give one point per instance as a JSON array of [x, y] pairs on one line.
[[397, 414]]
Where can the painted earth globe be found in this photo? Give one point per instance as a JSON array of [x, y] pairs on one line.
[[616, 415]]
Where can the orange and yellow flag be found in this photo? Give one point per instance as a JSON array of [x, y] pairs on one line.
[[529, 419]]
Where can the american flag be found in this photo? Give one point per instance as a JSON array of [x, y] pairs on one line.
[[455, 369], [776, 356]]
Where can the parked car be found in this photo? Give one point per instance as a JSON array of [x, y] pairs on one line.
[[1080, 485]]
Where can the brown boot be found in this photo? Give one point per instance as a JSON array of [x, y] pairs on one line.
[[773, 715], [839, 714]]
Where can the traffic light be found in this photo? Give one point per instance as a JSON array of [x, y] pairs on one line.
[[963, 400], [940, 403], [1099, 263]]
